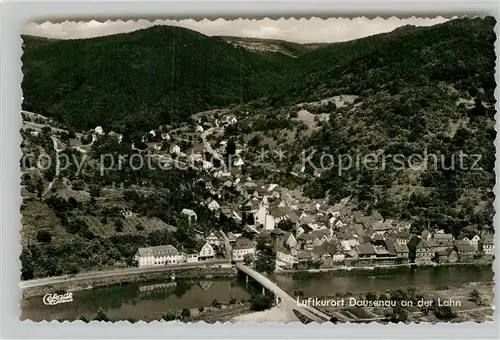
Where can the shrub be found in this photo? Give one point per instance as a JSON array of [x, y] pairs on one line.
[[44, 236]]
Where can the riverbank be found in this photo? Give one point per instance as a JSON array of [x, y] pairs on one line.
[[87, 281], [383, 267], [420, 305], [274, 314], [151, 300]]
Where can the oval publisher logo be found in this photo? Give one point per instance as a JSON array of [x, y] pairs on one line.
[[55, 299]]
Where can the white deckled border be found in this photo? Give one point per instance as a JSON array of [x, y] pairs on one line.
[[16, 14], [327, 30]]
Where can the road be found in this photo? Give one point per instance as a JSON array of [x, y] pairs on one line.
[[46, 191], [111, 273], [227, 246], [207, 145], [290, 303]]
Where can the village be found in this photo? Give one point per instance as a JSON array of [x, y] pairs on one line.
[[303, 233]]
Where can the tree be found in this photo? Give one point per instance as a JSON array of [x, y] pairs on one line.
[[44, 236], [119, 225], [232, 301], [95, 190], [476, 297], [247, 258], [266, 257], [286, 225], [186, 313], [230, 147], [371, 296], [215, 303], [444, 312], [169, 316], [83, 318], [260, 302], [398, 314], [250, 219], [101, 315], [201, 309]]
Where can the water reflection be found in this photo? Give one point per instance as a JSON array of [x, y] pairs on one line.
[[148, 301], [138, 301], [323, 284]]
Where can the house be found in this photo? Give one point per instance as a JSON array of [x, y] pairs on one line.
[[304, 229], [232, 236], [319, 253], [381, 226], [475, 241], [99, 130], [127, 213], [424, 253], [426, 235], [304, 256], [346, 246], [287, 256], [207, 165], [278, 214], [465, 250], [199, 128], [118, 136], [444, 240], [207, 252], [190, 214], [366, 251], [335, 251], [320, 236], [290, 240], [239, 162], [158, 256], [175, 149], [402, 238], [306, 241], [400, 251], [260, 214], [191, 257], [381, 252], [241, 247], [378, 239], [213, 205], [448, 255], [486, 245], [214, 239], [227, 211]]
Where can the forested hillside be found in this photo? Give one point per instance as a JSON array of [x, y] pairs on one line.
[[138, 80], [418, 90]]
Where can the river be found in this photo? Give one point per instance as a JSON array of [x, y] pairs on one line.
[[149, 300]]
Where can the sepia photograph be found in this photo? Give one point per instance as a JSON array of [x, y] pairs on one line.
[[278, 170]]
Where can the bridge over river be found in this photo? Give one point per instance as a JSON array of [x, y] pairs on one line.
[[303, 313]]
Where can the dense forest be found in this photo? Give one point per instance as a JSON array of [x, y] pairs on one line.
[[139, 80], [149, 77]]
